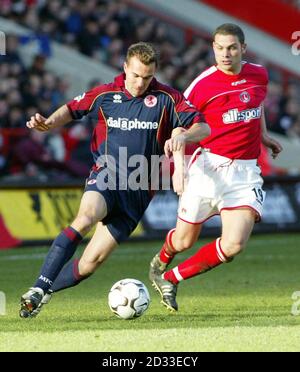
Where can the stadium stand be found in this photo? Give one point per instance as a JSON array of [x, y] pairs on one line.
[[49, 42], [102, 30]]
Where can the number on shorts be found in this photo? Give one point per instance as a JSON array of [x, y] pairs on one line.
[[259, 194]]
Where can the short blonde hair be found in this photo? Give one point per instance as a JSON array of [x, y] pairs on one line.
[[145, 52]]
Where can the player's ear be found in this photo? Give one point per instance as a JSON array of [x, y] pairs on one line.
[[125, 67], [244, 47]]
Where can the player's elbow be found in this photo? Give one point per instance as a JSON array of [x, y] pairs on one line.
[[206, 131]]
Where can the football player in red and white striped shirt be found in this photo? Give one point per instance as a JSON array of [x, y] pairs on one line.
[[223, 176]]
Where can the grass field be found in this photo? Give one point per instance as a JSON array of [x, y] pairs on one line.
[[242, 306]]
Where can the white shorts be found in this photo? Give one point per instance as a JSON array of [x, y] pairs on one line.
[[215, 183]]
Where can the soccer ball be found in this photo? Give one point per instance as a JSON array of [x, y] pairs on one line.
[[128, 298]]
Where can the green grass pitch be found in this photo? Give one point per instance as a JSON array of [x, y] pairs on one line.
[[242, 306]]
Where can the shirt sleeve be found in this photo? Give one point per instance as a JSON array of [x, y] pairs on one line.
[[184, 113], [193, 95], [84, 103]]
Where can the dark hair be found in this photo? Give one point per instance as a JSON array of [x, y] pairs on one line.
[[230, 29], [145, 52]]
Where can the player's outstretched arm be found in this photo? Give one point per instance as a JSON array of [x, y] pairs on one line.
[[197, 132], [176, 146], [180, 137], [60, 117]]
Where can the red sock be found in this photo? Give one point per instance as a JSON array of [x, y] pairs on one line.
[[208, 257], [167, 252]]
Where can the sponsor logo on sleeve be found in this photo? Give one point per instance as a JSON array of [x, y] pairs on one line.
[[80, 97]]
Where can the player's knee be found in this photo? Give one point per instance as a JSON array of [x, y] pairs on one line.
[[87, 268], [84, 222], [232, 248], [180, 244]]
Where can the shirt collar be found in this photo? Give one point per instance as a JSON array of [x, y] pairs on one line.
[[120, 82]]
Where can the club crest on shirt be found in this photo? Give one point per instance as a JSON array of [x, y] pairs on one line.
[[150, 100], [245, 97]]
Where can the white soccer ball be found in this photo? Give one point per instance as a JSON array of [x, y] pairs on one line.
[[128, 298]]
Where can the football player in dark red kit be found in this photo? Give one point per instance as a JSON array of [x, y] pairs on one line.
[[223, 176], [135, 116]]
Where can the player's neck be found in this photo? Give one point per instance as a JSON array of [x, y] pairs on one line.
[[128, 89], [234, 71]]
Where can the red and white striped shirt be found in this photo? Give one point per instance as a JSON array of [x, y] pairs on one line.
[[232, 105]]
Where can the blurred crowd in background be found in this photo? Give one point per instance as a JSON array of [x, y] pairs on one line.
[[295, 3], [102, 30]]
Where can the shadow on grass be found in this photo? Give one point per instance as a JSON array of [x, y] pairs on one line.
[[51, 322]]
